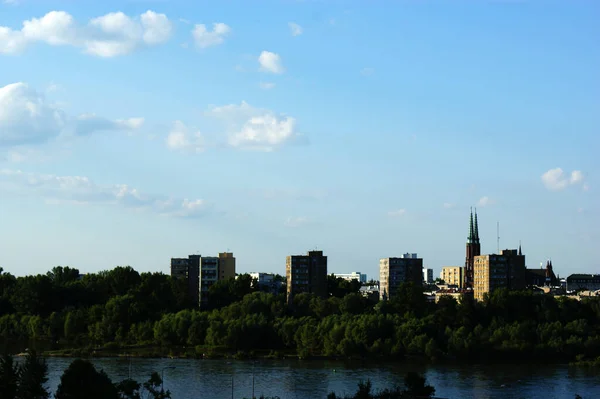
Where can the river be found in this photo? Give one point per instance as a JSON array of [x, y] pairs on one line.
[[290, 379]]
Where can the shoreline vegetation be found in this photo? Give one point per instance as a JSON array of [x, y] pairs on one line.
[[122, 313]]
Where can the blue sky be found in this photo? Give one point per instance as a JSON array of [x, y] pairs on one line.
[[136, 131]]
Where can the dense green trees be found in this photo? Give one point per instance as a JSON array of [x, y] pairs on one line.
[[122, 307]]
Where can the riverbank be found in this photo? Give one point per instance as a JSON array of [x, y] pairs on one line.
[[205, 352]]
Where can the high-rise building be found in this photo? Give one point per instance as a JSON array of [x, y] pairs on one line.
[[395, 271], [453, 275], [473, 250], [427, 276], [201, 272], [306, 273], [506, 270]]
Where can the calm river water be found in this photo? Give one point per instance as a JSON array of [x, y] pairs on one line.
[[212, 379]]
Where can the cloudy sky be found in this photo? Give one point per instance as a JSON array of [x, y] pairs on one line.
[[136, 131]]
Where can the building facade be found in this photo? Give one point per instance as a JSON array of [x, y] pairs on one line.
[[583, 282], [506, 270], [542, 277], [395, 271], [201, 272], [428, 276], [453, 275], [306, 273], [360, 277]]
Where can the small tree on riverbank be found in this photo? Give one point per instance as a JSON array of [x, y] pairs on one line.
[[26, 381]]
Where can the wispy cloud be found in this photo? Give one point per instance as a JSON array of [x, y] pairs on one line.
[[295, 29], [397, 213], [296, 221], [203, 37], [81, 190], [485, 201], [27, 117]]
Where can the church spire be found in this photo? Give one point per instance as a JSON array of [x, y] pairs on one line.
[[476, 228], [520, 253], [471, 238]]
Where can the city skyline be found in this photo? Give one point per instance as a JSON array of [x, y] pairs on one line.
[[134, 132]]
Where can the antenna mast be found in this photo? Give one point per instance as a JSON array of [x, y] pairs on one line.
[[498, 236]]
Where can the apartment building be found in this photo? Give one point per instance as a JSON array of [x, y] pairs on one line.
[[453, 275], [506, 270], [306, 273], [395, 271], [201, 272]]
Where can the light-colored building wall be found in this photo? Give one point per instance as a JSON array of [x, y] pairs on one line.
[[226, 265], [360, 277], [427, 276], [491, 272], [453, 275], [262, 278]]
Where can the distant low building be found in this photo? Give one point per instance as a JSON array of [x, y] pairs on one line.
[[450, 292], [583, 282], [370, 291], [360, 277], [542, 277], [262, 278]]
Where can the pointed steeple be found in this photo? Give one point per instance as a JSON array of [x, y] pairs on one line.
[[471, 238], [476, 228], [520, 253]]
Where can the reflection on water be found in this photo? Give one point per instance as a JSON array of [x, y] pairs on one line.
[[315, 379]]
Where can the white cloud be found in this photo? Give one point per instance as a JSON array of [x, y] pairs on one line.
[[296, 221], [91, 123], [27, 117], [397, 213], [295, 29], [485, 201], [270, 62], [206, 38], [367, 71], [556, 179], [180, 139], [266, 85], [255, 128], [448, 205], [12, 2], [81, 190], [110, 35]]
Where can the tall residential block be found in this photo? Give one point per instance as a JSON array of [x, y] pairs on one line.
[[201, 272], [506, 270], [453, 275], [395, 271], [306, 273]]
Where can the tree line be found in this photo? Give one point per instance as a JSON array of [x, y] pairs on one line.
[[123, 308]]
